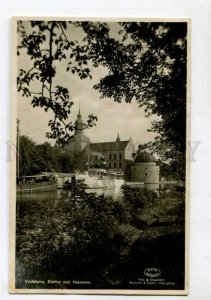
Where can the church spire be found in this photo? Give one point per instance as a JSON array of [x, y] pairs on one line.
[[79, 112], [118, 138], [79, 125]]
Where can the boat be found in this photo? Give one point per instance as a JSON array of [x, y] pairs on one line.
[[101, 178], [36, 183], [33, 183]]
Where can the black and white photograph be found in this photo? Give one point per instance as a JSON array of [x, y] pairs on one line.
[[101, 176]]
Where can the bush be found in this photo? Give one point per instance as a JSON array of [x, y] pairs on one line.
[[92, 237], [139, 198]]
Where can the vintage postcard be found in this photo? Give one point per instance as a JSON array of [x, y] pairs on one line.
[[100, 175]]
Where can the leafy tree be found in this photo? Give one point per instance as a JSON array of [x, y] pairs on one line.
[[35, 158], [66, 162], [47, 44], [146, 62], [44, 157], [27, 156]]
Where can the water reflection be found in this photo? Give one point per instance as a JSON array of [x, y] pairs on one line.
[[26, 203], [115, 193], [41, 202], [54, 197]]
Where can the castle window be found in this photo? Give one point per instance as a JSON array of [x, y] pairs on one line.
[[145, 174], [110, 156], [114, 165], [120, 165], [110, 165], [114, 156], [120, 156], [95, 157]]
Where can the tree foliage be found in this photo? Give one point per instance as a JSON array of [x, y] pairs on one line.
[[35, 158], [146, 63], [92, 237], [47, 45]]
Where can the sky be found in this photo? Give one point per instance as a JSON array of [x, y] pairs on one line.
[[125, 119]]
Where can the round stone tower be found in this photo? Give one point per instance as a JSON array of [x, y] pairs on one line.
[[145, 168]]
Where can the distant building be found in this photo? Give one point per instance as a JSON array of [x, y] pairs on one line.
[[115, 154], [78, 141], [111, 155], [145, 168]]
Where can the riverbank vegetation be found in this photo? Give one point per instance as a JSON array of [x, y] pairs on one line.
[[92, 238], [35, 158]]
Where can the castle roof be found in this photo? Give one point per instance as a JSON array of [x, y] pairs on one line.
[[79, 138], [144, 157], [109, 146]]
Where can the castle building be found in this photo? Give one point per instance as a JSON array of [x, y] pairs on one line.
[[115, 154], [145, 168], [78, 141], [112, 155]]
